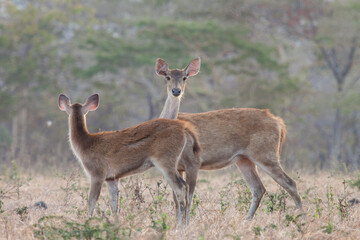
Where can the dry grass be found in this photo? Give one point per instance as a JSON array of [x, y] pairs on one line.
[[147, 211]]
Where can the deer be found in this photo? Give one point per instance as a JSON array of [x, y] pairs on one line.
[[109, 155], [247, 137]]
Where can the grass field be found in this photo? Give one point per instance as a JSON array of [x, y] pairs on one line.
[[147, 211]]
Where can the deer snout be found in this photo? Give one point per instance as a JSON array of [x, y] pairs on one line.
[[176, 92]]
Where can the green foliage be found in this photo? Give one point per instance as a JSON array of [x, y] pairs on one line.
[[305, 195], [173, 40], [257, 230], [224, 201], [244, 196], [22, 212], [356, 183], [318, 208], [71, 184], [275, 201], [79, 47], [1, 207], [159, 220], [15, 178], [330, 196], [328, 228], [55, 227], [343, 207], [234, 237], [348, 103], [160, 223], [194, 205], [295, 220]]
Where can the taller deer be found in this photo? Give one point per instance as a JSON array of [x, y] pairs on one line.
[[246, 137], [108, 156]]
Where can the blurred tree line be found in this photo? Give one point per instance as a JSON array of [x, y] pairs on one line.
[[297, 58]]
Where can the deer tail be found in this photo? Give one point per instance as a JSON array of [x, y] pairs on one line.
[[193, 133]]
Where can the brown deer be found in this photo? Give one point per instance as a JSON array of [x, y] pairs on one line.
[[247, 137], [108, 156]]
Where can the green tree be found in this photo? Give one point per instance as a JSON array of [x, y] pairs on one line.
[[31, 63]]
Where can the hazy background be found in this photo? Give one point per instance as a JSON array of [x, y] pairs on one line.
[[298, 58]]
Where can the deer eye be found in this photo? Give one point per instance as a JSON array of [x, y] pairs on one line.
[[168, 78], [184, 78]]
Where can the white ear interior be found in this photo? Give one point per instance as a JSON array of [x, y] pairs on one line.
[[92, 103], [193, 68]]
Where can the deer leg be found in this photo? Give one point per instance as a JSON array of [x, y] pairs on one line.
[[95, 189], [181, 192], [278, 174], [177, 213], [178, 185], [113, 195], [182, 195], [191, 176], [250, 174], [191, 162]]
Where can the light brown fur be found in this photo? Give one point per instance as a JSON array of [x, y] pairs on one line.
[[246, 137], [108, 156]]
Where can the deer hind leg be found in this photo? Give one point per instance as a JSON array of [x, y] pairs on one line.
[[182, 195], [113, 194], [177, 213], [272, 167], [178, 185], [94, 194], [192, 165], [250, 174], [181, 192], [191, 176]]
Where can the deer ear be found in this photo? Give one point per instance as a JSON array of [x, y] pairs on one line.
[[193, 68], [161, 67], [63, 102], [91, 103]]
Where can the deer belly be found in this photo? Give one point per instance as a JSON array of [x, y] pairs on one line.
[[212, 160]]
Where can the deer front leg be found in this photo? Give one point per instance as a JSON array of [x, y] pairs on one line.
[[94, 194]]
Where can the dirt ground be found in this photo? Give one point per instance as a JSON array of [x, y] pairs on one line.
[[147, 210]]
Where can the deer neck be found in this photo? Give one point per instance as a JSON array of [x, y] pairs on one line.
[[171, 107], [79, 133]]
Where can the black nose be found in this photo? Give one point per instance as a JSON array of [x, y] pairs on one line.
[[176, 91]]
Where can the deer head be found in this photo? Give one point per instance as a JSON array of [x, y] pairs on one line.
[[91, 104], [176, 78]]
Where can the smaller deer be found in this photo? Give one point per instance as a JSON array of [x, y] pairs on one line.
[[108, 156]]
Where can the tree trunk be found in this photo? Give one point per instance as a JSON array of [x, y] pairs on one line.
[[354, 151], [23, 131], [14, 138], [335, 156]]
